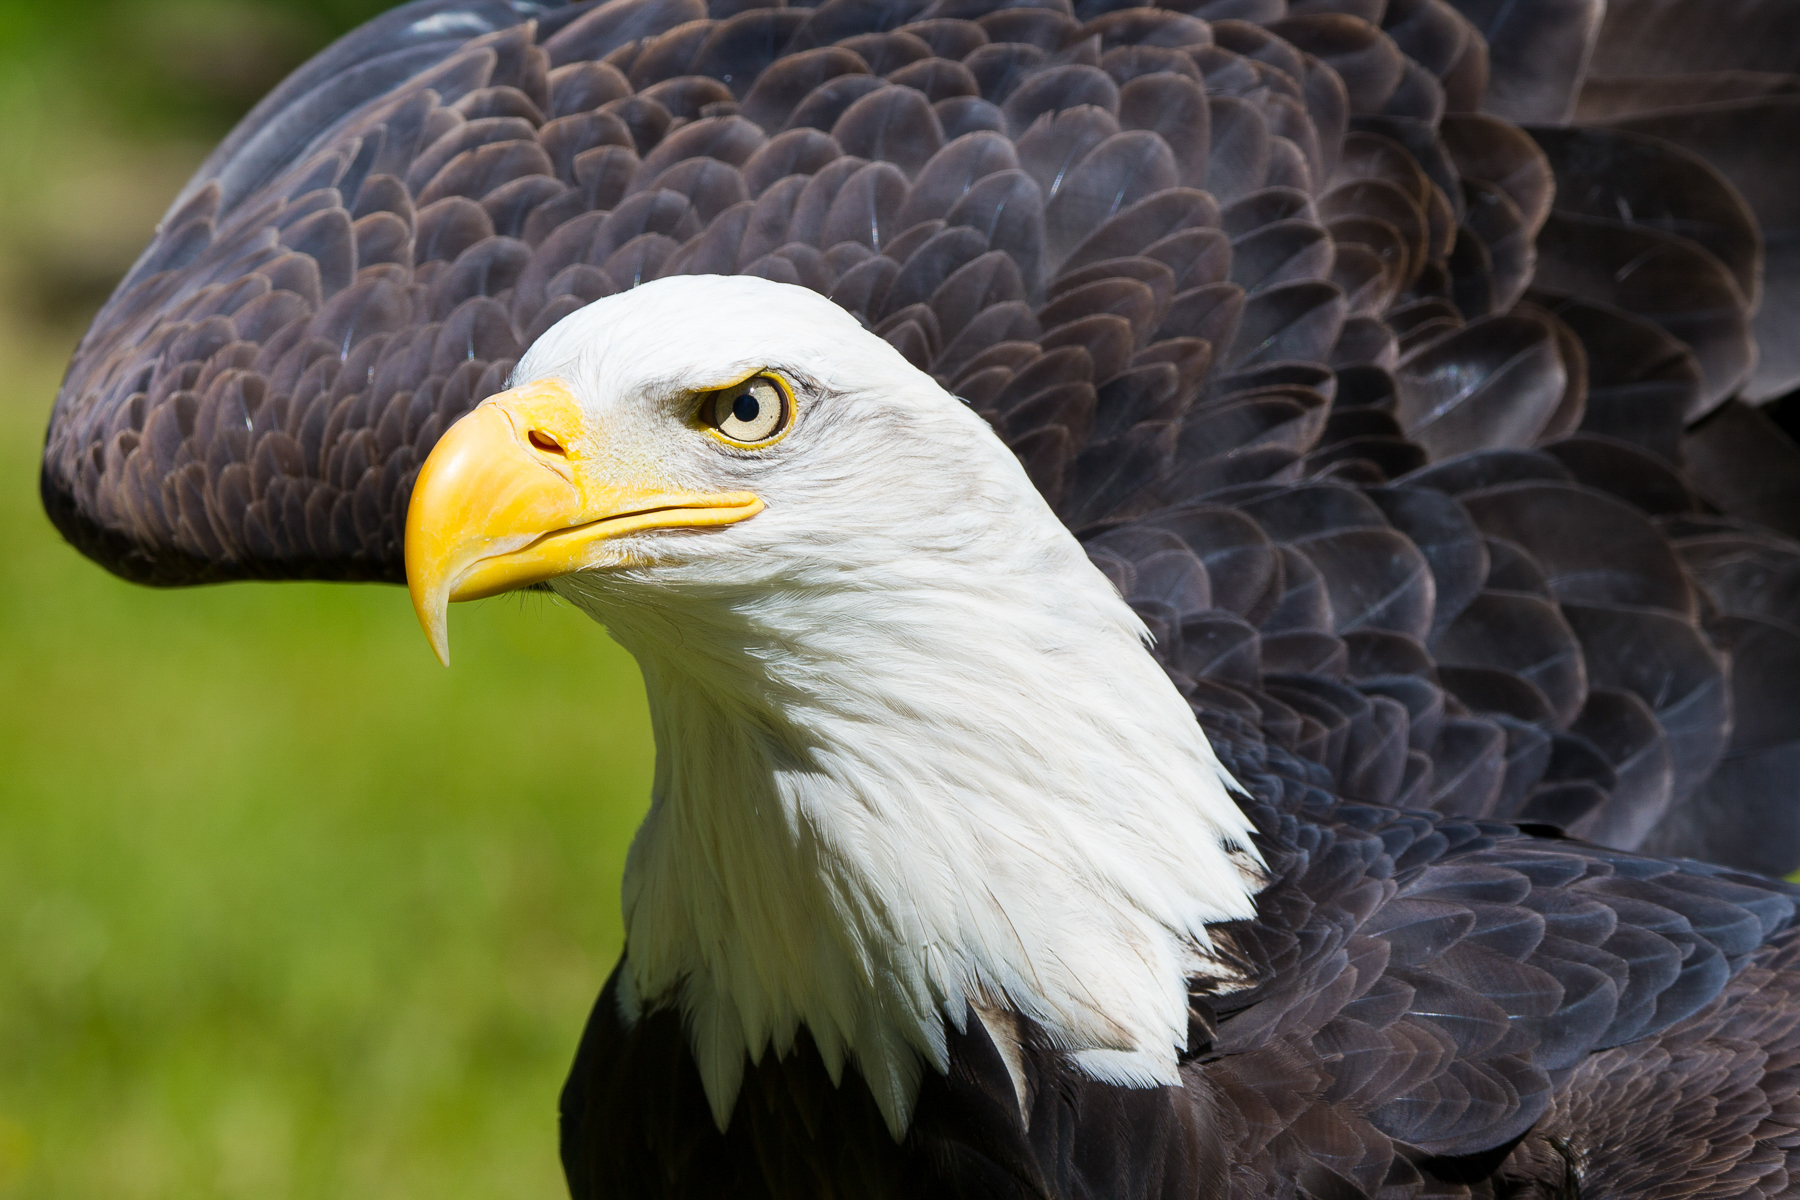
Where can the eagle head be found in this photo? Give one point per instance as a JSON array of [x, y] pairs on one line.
[[914, 761]]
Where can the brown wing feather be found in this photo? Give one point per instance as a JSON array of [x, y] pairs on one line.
[[1258, 263], [1375, 406]]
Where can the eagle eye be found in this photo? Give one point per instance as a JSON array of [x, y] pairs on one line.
[[750, 413]]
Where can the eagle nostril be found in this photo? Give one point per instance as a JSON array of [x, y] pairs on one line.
[[545, 442]]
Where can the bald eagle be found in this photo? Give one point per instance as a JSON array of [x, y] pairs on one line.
[[1219, 613]]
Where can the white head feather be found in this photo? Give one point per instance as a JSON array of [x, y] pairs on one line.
[[912, 754]]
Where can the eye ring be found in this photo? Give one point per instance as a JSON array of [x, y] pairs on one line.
[[751, 414]]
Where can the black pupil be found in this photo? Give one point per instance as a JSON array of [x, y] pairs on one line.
[[746, 407]]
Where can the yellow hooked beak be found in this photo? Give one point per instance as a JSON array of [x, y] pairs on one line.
[[518, 492]]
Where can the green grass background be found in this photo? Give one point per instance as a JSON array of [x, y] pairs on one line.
[[286, 909]]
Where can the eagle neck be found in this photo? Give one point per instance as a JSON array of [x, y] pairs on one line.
[[896, 797]]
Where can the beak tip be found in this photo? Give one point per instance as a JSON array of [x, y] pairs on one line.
[[430, 607], [437, 632]]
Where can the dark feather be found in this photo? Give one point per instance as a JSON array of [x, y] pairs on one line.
[[1390, 418]]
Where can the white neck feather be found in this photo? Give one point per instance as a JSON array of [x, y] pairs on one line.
[[920, 771]]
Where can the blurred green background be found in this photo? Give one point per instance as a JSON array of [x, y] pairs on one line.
[[286, 909]]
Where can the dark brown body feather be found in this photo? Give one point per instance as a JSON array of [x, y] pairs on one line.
[[1445, 1008], [1418, 437]]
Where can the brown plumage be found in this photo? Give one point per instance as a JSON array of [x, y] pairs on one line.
[[1396, 358]]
